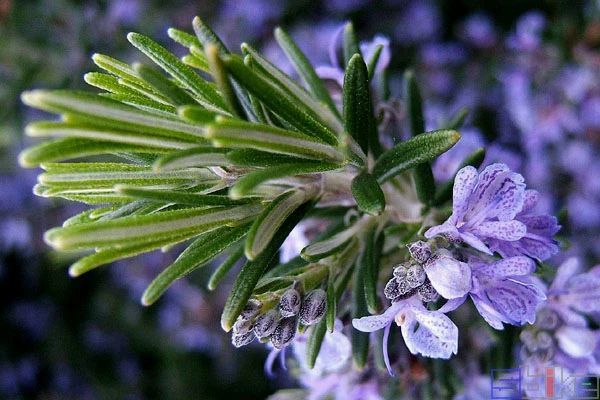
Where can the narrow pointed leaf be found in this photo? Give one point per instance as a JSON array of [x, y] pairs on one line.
[[119, 69], [314, 342], [305, 69], [270, 219], [370, 259], [183, 38], [358, 109], [324, 248], [146, 228], [238, 134], [331, 304], [257, 158], [414, 151], [250, 181], [360, 340], [81, 131], [414, 108], [350, 43], [221, 78], [174, 93], [100, 111], [368, 194], [177, 197], [252, 271], [205, 93], [458, 119], [200, 252], [223, 269], [69, 148], [372, 62], [206, 36], [283, 104], [202, 156]]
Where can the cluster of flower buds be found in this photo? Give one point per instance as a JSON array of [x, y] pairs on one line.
[[410, 278], [538, 342], [279, 325]]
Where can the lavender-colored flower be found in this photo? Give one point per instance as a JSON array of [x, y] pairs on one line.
[[492, 209], [425, 332], [561, 335], [505, 291]]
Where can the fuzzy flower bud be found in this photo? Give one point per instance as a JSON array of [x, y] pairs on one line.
[[420, 251], [289, 304], [284, 332], [266, 323], [415, 276], [241, 339], [313, 307]]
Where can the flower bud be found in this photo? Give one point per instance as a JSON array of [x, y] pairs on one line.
[[427, 293], [420, 251], [266, 323], [289, 304], [544, 340], [415, 276], [547, 319], [400, 272], [242, 326], [241, 339], [313, 307], [251, 310], [284, 332], [395, 289]]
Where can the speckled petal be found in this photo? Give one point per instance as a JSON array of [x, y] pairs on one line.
[[502, 230]]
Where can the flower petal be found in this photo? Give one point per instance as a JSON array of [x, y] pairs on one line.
[[530, 200], [446, 229], [513, 266], [436, 335], [567, 269], [448, 276], [452, 304], [502, 230], [487, 311], [474, 242], [517, 301], [374, 323], [577, 342], [464, 183]]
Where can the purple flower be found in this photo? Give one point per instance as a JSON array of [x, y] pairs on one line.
[[492, 211], [425, 332], [504, 291]]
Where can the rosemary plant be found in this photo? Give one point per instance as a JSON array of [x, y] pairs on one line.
[[231, 156]]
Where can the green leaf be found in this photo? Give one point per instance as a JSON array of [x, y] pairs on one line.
[[69, 148], [200, 252], [119, 69], [313, 344], [331, 304], [177, 197], [475, 159], [350, 43], [269, 221], [246, 184], [183, 38], [239, 134], [252, 271], [458, 119], [170, 90], [358, 108], [99, 111], [324, 248], [372, 62], [107, 255], [204, 92], [106, 175], [423, 175], [370, 259], [140, 229], [360, 340], [414, 151], [195, 61], [197, 114], [82, 131], [305, 69], [257, 158], [221, 78], [201, 156], [223, 269], [283, 104], [368, 194], [298, 93], [207, 36], [109, 83]]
